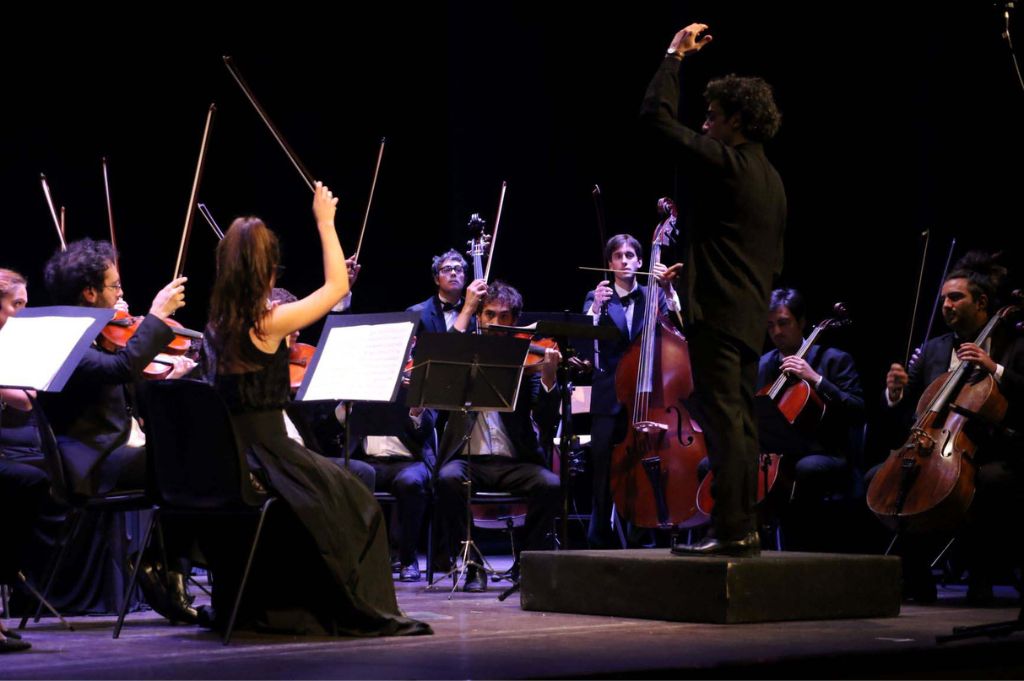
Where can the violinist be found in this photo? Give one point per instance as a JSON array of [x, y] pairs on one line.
[[24, 488], [819, 462], [93, 416], [733, 239], [970, 296], [507, 454], [619, 301]]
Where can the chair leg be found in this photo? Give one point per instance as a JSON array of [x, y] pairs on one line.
[[51, 573], [245, 574], [430, 547], [134, 578]]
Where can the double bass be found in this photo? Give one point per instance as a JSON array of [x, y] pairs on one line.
[[928, 483], [654, 469]]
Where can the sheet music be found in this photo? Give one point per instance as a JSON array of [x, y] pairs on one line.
[[360, 363], [33, 349]]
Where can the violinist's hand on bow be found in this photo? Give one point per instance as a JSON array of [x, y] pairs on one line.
[[182, 366], [353, 271], [602, 294], [169, 299], [797, 366], [666, 275], [969, 352], [895, 381], [686, 41]]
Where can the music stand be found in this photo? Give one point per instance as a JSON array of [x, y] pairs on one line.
[[40, 349], [359, 358], [566, 327], [468, 373]]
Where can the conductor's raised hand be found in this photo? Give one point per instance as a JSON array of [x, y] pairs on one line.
[[689, 40]]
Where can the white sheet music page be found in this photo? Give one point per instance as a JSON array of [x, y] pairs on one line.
[[33, 349], [360, 363]]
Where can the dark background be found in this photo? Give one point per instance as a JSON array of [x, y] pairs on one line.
[[898, 117]]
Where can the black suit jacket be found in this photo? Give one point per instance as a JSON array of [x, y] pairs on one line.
[[841, 391], [733, 232], [431, 317], [602, 397], [91, 416], [534, 403]]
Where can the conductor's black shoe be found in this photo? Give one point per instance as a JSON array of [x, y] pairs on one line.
[[475, 582], [744, 547]]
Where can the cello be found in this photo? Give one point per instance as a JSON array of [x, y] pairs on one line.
[[797, 402], [654, 469], [928, 483]]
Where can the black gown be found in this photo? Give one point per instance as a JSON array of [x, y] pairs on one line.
[[324, 565]]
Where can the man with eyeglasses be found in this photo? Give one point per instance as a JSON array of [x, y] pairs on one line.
[[439, 312]]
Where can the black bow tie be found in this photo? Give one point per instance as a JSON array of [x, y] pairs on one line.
[[445, 306], [635, 294]]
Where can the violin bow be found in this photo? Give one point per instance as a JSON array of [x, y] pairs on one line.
[[599, 209], [190, 215], [307, 177], [369, 201], [494, 235], [205, 212], [110, 210], [53, 212]]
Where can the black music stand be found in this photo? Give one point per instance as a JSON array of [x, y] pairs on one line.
[[468, 373], [567, 329]]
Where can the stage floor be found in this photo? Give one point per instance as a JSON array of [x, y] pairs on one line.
[[478, 637]]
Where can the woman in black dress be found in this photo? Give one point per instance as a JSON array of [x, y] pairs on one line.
[[325, 566]]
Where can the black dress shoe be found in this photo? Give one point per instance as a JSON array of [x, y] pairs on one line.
[[475, 582], [10, 633], [167, 597], [744, 547], [10, 645]]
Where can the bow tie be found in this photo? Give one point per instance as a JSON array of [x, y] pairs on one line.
[[635, 294], [446, 307]]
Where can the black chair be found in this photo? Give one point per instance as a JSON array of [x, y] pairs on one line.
[[79, 505], [197, 466]]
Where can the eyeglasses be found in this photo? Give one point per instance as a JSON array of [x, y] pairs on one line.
[[116, 287], [451, 269]]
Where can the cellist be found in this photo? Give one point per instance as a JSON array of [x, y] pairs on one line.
[[817, 459], [733, 237], [969, 298], [619, 301]]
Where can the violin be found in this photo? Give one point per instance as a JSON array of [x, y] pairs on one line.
[[654, 470], [299, 355], [928, 483], [119, 330]]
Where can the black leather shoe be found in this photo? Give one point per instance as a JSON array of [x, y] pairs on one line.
[[475, 582], [11, 633], [10, 645], [409, 573], [168, 598], [747, 546]]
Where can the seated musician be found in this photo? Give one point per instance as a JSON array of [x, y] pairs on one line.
[[92, 415], [398, 442], [970, 296], [818, 462], [24, 488], [507, 454]]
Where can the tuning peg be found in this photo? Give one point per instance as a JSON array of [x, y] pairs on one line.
[[840, 310]]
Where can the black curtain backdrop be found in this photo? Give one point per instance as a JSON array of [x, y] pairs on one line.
[[898, 117]]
